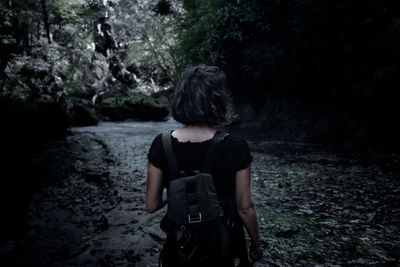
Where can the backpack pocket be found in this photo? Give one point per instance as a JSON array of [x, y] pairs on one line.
[[192, 199]]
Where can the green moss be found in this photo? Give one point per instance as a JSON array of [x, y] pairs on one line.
[[137, 106], [80, 111]]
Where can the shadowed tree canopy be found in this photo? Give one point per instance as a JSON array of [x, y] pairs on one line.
[[337, 56]]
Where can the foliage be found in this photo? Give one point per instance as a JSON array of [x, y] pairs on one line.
[[146, 35], [138, 106], [292, 47], [209, 26], [332, 55], [70, 12], [80, 111], [163, 7], [59, 61], [61, 37], [200, 30]]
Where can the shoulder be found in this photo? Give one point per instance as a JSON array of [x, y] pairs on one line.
[[156, 144], [236, 151], [157, 139], [156, 152], [235, 143]]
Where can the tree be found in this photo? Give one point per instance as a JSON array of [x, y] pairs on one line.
[[45, 15]]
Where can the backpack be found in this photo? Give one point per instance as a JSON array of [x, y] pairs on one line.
[[195, 234]]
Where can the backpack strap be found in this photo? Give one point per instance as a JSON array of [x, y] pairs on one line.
[[169, 154], [210, 157], [212, 151]]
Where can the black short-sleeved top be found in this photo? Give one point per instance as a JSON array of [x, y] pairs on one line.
[[233, 155]]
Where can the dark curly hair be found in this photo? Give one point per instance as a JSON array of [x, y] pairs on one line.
[[201, 97]]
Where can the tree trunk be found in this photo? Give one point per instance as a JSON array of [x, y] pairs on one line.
[[46, 19]]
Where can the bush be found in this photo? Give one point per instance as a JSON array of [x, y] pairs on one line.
[[137, 106]]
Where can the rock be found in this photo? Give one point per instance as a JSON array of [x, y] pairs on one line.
[[166, 93], [287, 232], [130, 256], [137, 106], [121, 73], [103, 224], [106, 261], [94, 177], [80, 111]]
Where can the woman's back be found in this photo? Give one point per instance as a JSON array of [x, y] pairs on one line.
[[232, 155]]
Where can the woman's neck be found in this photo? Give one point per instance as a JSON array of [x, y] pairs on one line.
[[198, 127], [194, 133]]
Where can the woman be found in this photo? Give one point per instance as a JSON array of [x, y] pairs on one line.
[[201, 103]]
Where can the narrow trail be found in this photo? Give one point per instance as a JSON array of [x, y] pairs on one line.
[[130, 235], [315, 206], [97, 216]]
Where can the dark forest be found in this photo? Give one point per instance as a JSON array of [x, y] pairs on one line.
[[85, 86]]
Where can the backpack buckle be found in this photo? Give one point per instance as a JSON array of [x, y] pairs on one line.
[[195, 219]]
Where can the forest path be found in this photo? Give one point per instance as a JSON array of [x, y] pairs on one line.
[[132, 236], [315, 206], [96, 216]]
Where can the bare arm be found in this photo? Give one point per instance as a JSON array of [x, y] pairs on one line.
[[245, 206], [154, 189]]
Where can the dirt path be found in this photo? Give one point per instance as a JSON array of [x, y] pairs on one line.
[[315, 207], [96, 217]]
